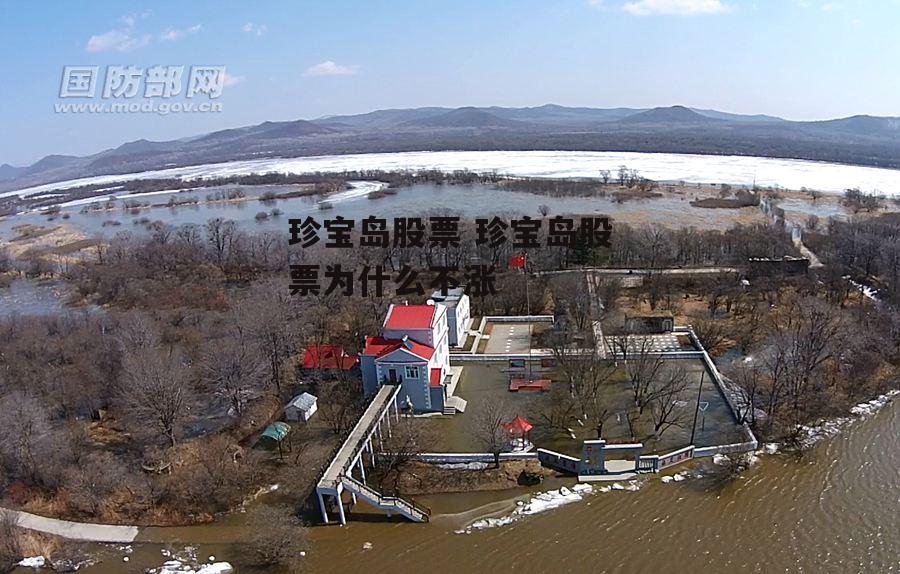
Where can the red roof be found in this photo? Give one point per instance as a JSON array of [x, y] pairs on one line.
[[410, 317], [517, 426], [434, 378], [379, 347], [328, 357]]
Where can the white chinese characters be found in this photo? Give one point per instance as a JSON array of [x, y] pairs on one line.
[[124, 82]]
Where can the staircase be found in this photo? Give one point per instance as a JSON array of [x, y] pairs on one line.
[[389, 504], [453, 405]]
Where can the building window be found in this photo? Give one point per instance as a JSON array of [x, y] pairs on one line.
[[412, 372]]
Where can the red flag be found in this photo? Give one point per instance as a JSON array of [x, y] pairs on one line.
[[517, 262]]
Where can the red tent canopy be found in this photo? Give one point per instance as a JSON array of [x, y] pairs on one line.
[[517, 426]]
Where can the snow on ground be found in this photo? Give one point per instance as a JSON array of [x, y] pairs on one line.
[[357, 189], [186, 562], [739, 170], [464, 466], [869, 292], [32, 562], [544, 501], [677, 477]]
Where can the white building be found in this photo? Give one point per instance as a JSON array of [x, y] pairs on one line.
[[458, 313], [301, 408], [412, 351]]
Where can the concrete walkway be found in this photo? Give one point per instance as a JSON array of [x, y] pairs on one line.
[[74, 530]]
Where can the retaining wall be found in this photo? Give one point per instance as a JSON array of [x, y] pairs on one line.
[[463, 457]]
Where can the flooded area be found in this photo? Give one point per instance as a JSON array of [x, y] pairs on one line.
[[24, 297], [467, 200], [834, 510]]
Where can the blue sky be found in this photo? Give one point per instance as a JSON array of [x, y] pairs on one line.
[[800, 59]]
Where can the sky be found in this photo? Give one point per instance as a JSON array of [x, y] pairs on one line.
[[798, 59]]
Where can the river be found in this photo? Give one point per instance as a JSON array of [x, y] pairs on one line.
[[834, 510]]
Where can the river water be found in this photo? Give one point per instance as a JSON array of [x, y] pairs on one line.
[[834, 510], [469, 201]]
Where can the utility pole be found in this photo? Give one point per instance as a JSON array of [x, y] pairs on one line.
[[697, 408]]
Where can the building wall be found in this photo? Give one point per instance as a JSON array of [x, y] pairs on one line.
[[416, 388], [453, 329], [463, 315], [437, 398], [369, 375]]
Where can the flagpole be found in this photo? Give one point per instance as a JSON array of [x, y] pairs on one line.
[[528, 313]]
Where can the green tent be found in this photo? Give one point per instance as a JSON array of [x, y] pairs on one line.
[[277, 431]]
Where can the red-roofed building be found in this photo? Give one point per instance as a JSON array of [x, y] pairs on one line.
[[412, 351], [328, 358]]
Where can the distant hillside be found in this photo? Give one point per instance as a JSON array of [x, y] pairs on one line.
[[757, 118], [864, 140], [864, 126], [668, 116], [10, 172], [464, 118]]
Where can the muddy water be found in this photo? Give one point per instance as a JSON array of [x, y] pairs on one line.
[[835, 510]]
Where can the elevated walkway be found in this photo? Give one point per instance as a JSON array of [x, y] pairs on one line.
[[338, 476], [388, 504]]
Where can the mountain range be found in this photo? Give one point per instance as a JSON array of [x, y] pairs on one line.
[[864, 140]]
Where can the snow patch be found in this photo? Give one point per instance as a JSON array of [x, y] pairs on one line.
[[186, 562], [828, 428], [33, 562], [463, 466], [549, 500]]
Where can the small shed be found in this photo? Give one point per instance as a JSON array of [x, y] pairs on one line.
[[276, 433], [301, 408], [649, 323]]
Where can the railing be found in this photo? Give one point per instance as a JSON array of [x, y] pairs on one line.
[[411, 509], [359, 446]]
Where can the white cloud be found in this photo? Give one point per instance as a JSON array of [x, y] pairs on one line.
[[119, 40], [675, 7], [172, 34], [256, 29], [233, 80], [329, 68]]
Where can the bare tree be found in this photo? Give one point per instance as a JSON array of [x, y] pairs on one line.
[[406, 440], [642, 366], [156, 390], [277, 538], [339, 405], [749, 378], [23, 431], [268, 316], [90, 483], [234, 368], [665, 405], [487, 426], [711, 334], [10, 549]]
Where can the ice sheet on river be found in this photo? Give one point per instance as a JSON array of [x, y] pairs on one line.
[[740, 170], [544, 501]]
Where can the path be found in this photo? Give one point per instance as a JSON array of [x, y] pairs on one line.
[[74, 530], [683, 271]]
